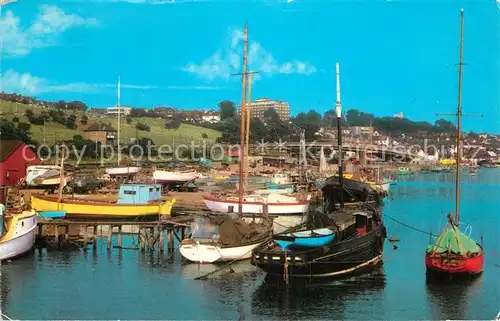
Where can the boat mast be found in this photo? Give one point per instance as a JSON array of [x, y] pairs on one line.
[[242, 121], [459, 120], [61, 178], [247, 129], [119, 116], [338, 111]]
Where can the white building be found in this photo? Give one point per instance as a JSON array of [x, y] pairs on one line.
[[211, 118], [114, 111]]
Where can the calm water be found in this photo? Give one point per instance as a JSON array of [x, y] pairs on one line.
[[130, 285]]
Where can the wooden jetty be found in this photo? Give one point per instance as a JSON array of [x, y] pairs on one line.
[[151, 234]]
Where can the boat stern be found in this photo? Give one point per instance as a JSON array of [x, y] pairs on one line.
[[199, 253]]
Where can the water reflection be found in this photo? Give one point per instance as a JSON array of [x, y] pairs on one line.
[[448, 300], [311, 298]]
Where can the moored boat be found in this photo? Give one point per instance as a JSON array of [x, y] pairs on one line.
[[122, 170], [403, 171], [453, 253], [18, 236], [134, 201], [255, 204], [223, 238]]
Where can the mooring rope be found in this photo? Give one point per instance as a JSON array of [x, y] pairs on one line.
[[409, 226]]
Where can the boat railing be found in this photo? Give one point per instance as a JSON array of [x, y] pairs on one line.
[[468, 228]]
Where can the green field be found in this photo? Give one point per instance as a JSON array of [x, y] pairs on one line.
[[51, 131]]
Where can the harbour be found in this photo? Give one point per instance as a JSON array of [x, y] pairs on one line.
[[101, 280], [347, 223]]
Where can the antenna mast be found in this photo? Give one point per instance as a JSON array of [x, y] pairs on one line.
[[119, 116], [338, 111], [459, 120]]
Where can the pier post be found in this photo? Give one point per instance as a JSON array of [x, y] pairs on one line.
[[110, 236], [66, 232], [161, 242], [120, 236], [170, 240], [141, 239], [40, 231], [183, 233], [56, 235], [85, 237], [265, 210], [150, 238], [94, 238]]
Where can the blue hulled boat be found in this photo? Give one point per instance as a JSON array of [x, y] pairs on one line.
[[307, 238]]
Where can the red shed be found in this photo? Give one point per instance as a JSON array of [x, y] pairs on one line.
[[15, 156]]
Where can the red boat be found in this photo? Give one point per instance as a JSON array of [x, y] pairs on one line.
[[454, 253]]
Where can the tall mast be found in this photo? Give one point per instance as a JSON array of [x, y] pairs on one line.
[[242, 121], [459, 120], [119, 116], [247, 129], [338, 111]]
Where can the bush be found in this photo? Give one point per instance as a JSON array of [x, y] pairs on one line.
[[37, 120], [15, 119], [29, 113], [84, 119], [25, 127], [143, 127]]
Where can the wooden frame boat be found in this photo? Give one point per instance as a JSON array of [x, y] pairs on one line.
[[357, 250], [98, 209]]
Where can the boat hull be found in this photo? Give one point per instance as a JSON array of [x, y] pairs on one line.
[[229, 206], [454, 265], [173, 177], [208, 253], [340, 259], [304, 239], [20, 236], [85, 209], [122, 170]]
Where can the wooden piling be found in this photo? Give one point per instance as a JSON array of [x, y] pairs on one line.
[[94, 238], [142, 244], [120, 236], [85, 237], [161, 242], [110, 236], [150, 238], [66, 232], [170, 240]]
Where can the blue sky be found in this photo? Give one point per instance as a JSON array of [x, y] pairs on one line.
[[394, 55]]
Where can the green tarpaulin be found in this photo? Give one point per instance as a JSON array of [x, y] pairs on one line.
[[449, 241]]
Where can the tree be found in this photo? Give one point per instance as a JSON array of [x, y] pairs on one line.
[[28, 113], [129, 119], [227, 109], [330, 119], [270, 114], [15, 119], [84, 119], [204, 136], [25, 127]]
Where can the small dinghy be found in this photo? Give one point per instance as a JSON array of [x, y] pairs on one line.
[[308, 238]]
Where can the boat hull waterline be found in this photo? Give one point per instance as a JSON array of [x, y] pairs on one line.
[[454, 265]]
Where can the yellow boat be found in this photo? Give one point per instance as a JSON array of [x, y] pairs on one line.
[[135, 201], [19, 234]]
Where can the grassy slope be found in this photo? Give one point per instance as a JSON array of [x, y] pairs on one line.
[[182, 135]]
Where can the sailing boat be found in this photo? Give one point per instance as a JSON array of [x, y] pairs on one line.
[[119, 170], [227, 238], [454, 253], [349, 240]]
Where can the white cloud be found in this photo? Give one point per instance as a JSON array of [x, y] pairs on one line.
[[225, 62], [154, 2], [28, 84], [50, 22]]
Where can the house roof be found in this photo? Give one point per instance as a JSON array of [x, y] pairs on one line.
[[7, 147], [100, 127]]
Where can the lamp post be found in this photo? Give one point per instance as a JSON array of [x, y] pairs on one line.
[[338, 111]]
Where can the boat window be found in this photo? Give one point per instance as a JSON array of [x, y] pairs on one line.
[[157, 189], [151, 189], [129, 192]]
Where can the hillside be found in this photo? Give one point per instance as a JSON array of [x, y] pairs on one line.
[[55, 131]]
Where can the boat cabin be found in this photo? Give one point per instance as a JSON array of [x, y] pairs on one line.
[[139, 193], [364, 222]]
